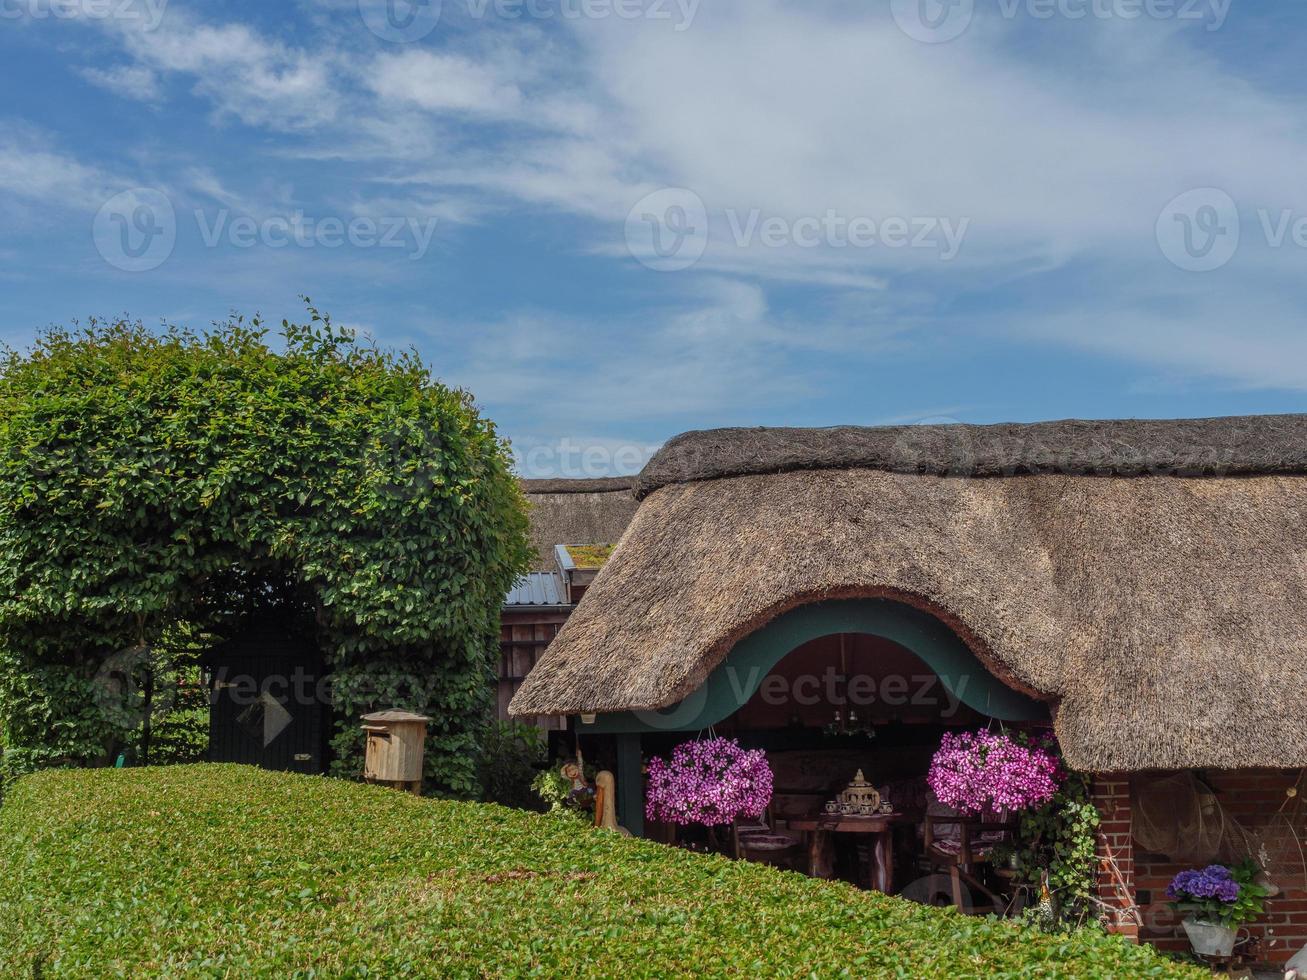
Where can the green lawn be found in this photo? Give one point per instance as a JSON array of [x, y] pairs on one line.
[[230, 871]]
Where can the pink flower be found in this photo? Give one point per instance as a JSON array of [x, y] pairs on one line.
[[711, 782], [982, 771]]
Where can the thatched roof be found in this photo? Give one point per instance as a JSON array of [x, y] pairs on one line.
[[593, 511], [1164, 617], [1181, 447], [563, 486]]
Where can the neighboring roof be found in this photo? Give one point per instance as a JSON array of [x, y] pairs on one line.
[[1236, 446], [538, 589], [583, 557], [598, 484], [577, 512], [1164, 617]]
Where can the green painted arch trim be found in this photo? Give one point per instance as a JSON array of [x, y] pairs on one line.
[[738, 677]]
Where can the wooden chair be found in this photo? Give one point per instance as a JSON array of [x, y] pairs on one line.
[[760, 838], [962, 851]]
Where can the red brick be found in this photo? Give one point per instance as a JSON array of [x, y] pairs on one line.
[[1250, 796]]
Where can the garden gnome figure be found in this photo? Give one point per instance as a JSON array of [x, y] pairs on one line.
[[575, 772], [582, 794]]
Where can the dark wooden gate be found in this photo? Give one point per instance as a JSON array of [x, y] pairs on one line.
[[266, 706]]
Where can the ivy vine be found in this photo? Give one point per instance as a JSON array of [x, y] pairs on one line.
[[1059, 839]]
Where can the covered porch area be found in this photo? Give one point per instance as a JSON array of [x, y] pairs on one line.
[[832, 691]]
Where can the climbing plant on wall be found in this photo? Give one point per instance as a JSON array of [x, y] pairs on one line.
[[141, 471]]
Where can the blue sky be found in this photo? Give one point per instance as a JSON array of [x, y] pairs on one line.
[[614, 220]]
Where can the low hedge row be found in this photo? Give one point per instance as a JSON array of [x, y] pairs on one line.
[[226, 871]]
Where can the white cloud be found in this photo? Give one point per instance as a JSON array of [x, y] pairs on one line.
[[206, 183], [774, 106], [443, 82], [781, 107], [793, 110], [33, 170], [721, 353], [127, 81], [789, 111], [244, 74], [1237, 336]]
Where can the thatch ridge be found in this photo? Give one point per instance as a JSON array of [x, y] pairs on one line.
[[1231, 446], [597, 484], [1164, 619]]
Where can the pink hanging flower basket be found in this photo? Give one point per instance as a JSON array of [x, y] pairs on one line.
[[979, 772], [710, 782]]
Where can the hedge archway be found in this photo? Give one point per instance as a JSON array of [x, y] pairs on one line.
[[152, 482]]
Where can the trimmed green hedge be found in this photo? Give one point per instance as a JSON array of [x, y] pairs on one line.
[[163, 486], [229, 871]]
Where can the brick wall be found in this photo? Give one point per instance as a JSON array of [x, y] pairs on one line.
[[1252, 797], [1116, 864]]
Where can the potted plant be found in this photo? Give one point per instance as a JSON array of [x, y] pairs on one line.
[[1217, 900]]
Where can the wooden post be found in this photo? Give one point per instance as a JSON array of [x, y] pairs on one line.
[[821, 855], [630, 783]]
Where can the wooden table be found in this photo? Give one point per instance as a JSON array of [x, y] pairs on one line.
[[821, 843]]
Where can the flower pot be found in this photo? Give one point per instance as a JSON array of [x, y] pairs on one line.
[[1210, 939]]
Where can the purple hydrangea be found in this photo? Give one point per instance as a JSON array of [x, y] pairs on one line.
[[978, 772], [1215, 881], [711, 782]]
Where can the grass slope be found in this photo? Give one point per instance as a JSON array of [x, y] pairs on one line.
[[231, 871]]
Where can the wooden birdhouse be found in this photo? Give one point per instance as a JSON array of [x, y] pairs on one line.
[[396, 744]]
